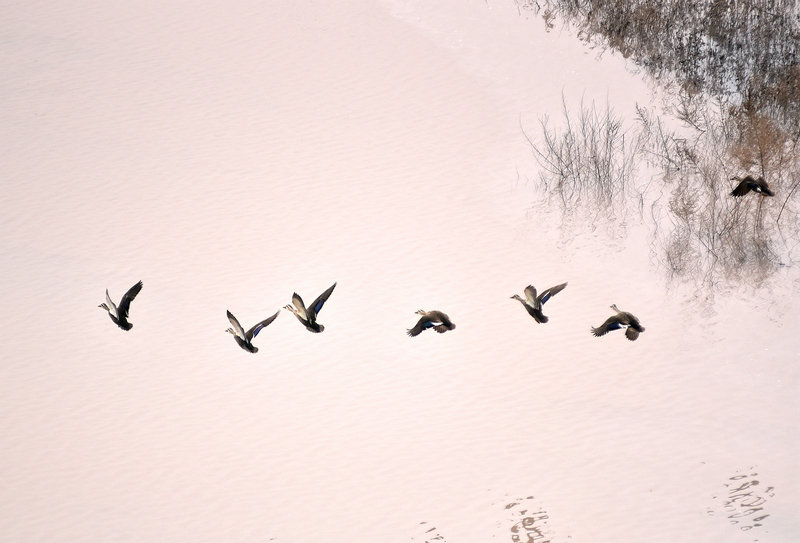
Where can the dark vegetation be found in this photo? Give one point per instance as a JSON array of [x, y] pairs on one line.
[[731, 75], [745, 50]]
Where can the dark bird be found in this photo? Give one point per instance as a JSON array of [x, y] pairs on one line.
[[622, 319], [533, 304], [431, 319], [245, 339], [308, 316], [119, 314], [748, 183]]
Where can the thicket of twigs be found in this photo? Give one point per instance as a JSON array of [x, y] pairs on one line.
[[747, 52]]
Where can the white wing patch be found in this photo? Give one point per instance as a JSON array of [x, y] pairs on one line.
[[237, 328], [301, 307], [112, 307], [530, 295]]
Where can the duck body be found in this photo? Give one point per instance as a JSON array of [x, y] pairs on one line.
[[308, 315], [245, 339], [533, 303], [622, 319], [431, 319], [119, 314], [748, 184], [246, 345]]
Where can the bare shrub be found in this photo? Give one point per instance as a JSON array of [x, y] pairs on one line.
[[588, 161]]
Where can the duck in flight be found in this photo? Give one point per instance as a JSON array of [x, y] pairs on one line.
[[533, 303], [308, 316], [431, 319], [748, 183], [622, 319], [245, 339], [119, 314]]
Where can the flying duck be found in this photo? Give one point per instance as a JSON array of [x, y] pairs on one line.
[[748, 183], [431, 319], [245, 339], [533, 304], [622, 319], [119, 314], [308, 316]]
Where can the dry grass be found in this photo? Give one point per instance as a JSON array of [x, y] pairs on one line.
[[588, 160]]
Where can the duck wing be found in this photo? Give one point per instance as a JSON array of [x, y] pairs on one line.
[[530, 295], [742, 188], [631, 333], [549, 293], [125, 303], [320, 301], [611, 323], [763, 187], [301, 307], [423, 323], [112, 307], [253, 332], [237, 328]]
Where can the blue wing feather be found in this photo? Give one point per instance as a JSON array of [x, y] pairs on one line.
[[321, 299], [253, 332]]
